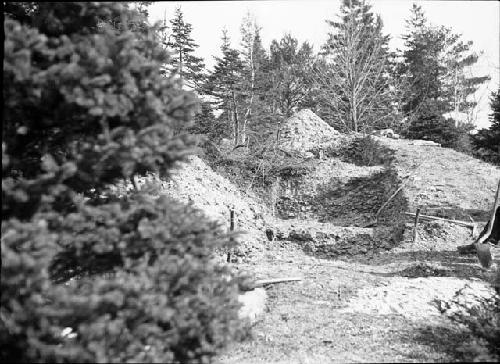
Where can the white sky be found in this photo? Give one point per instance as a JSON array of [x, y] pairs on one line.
[[478, 21]]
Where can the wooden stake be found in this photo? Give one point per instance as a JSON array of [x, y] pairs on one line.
[[428, 217], [415, 232], [231, 228]]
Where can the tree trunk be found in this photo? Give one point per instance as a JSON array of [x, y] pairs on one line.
[[354, 114], [248, 113], [235, 121]]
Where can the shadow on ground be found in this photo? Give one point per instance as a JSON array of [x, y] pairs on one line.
[[441, 339]]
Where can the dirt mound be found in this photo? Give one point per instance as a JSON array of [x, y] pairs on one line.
[[195, 182], [305, 131], [457, 184]]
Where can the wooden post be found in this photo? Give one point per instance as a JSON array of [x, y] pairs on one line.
[[231, 228], [415, 232]]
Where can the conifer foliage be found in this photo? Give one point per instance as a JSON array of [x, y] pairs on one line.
[[435, 68], [224, 83], [189, 67], [86, 105], [354, 71], [487, 141], [291, 71]]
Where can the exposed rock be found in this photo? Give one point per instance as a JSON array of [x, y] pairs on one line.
[[425, 142], [253, 304], [388, 133], [300, 235]]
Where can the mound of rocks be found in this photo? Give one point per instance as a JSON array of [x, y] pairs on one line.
[[305, 131]]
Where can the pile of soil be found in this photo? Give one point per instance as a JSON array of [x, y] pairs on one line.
[[194, 182], [305, 131], [457, 184]]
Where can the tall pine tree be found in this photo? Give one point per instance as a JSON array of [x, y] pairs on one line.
[[354, 72], [436, 67], [190, 68], [459, 83], [487, 141], [224, 82], [290, 74], [254, 60]]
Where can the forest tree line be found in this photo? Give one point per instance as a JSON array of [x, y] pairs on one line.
[[354, 82]]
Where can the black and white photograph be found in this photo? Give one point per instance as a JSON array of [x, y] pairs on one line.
[[251, 182]]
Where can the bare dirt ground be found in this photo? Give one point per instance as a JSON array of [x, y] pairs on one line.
[[378, 307]]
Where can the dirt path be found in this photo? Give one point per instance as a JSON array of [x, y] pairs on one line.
[[346, 311]]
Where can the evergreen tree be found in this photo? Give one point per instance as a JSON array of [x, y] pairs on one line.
[[354, 71], [487, 141], [434, 67], [459, 83], [225, 83], [291, 74], [254, 60], [189, 67], [86, 108], [238, 81]]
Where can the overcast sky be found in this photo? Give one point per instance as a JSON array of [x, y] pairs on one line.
[[478, 21]]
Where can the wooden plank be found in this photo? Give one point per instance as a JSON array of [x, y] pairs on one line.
[[265, 282], [428, 217]]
